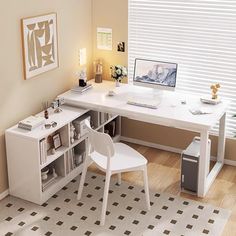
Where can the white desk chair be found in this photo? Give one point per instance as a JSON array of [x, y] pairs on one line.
[[112, 158]]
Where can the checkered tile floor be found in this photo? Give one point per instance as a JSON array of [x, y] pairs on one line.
[[126, 213]]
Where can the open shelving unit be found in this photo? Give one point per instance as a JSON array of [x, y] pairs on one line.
[[29, 153]]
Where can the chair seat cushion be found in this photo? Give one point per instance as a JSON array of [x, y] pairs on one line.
[[125, 158]]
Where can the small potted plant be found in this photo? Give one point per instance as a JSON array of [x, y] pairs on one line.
[[118, 72]]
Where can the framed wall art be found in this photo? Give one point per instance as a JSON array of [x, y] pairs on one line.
[[40, 51]]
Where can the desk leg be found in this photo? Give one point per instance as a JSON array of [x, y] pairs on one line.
[[221, 140], [203, 163]]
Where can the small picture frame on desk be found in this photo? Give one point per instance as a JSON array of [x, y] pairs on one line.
[[57, 141]]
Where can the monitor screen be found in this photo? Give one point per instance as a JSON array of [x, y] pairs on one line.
[[155, 73]]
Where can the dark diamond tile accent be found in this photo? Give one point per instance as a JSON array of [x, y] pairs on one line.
[[76, 192], [151, 227], [67, 200], [200, 207], [80, 204], [21, 223], [165, 207], [83, 217], [185, 203], [205, 231], [137, 199], [117, 184], [157, 195], [35, 228], [46, 218], [73, 180], [211, 221], [123, 195], [130, 187], [110, 191], [195, 216], [167, 232], [158, 217], [87, 233], [9, 205], [216, 211], [173, 222], [57, 209], [94, 177], [127, 232], [93, 208], [73, 228], [143, 212], [115, 203], [55, 196], [101, 199], [97, 187], [97, 222], [179, 212], [8, 234], [9, 218], [33, 213], [21, 209], [171, 199], [129, 208], [64, 188], [112, 227], [108, 213], [44, 205], [85, 184], [135, 222], [59, 223], [48, 233], [121, 217], [70, 213], [151, 203], [189, 226], [89, 195], [143, 191]]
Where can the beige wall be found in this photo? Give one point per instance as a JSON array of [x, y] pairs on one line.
[[114, 14], [18, 97]]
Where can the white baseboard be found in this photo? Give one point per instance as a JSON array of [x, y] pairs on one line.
[[167, 148], [4, 194]]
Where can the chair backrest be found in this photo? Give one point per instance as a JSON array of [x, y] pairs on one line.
[[101, 142]]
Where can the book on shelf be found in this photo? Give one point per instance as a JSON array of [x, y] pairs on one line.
[[31, 122], [43, 151], [73, 160]]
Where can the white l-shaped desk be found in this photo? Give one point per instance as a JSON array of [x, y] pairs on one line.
[[171, 112]]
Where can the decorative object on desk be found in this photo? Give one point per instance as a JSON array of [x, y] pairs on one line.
[[45, 108], [39, 35], [56, 104], [121, 47], [72, 133], [97, 64], [82, 83], [53, 124], [79, 89], [118, 72], [57, 141], [31, 122], [214, 90], [111, 93]]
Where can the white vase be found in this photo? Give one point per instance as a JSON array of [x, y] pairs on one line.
[[117, 83]]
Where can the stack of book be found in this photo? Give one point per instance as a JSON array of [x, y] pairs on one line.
[[43, 151], [31, 122], [79, 89]]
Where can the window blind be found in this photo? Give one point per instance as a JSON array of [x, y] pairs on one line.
[[199, 35]]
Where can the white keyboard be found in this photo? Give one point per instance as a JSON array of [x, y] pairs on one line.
[[144, 103]]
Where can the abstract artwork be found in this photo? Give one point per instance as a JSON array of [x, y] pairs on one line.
[[39, 44]]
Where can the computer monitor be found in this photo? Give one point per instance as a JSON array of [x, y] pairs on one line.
[[155, 74]]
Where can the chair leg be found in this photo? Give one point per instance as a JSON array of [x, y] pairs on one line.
[[145, 178], [105, 197], [119, 178], [81, 184]]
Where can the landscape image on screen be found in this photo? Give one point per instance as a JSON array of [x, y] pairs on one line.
[[155, 72]]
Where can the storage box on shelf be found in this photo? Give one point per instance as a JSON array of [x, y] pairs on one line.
[[36, 168]]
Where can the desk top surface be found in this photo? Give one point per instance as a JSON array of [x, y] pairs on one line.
[[170, 112]]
